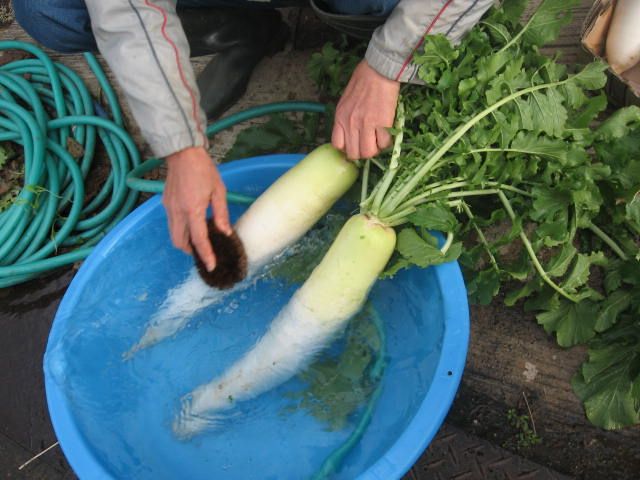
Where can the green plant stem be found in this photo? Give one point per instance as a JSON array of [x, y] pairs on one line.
[[394, 200], [447, 243], [608, 240], [509, 188], [380, 192], [396, 223], [444, 182], [403, 219], [400, 215], [365, 181], [364, 205], [481, 236], [517, 36], [473, 193], [512, 150], [441, 188], [399, 127], [527, 245], [377, 163], [408, 208], [393, 162], [432, 191]]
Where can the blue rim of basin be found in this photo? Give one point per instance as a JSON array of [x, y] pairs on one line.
[[397, 460]]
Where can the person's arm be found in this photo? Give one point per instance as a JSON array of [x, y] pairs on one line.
[[145, 46], [368, 104]]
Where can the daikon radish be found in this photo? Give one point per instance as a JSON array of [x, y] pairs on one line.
[[623, 38], [334, 292], [276, 220]]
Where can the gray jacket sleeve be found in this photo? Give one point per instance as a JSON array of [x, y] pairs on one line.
[[393, 44], [145, 46]]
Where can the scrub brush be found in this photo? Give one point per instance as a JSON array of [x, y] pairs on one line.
[[231, 259]]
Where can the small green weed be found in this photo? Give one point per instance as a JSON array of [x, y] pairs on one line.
[[526, 436]]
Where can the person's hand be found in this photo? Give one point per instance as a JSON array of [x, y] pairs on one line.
[[193, 183], [365, 111]]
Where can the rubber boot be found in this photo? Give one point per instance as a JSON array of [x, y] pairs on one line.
[[356, 26], [240, 38]]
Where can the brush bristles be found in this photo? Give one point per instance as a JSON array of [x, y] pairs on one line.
[[231, 259]]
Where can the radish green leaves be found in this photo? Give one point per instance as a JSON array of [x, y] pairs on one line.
[[498, 151]]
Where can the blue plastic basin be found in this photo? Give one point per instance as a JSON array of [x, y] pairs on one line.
[[112, 417]]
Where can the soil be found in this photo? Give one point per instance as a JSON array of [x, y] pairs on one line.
[[513, 364]]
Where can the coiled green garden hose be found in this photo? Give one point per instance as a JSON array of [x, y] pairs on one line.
[[44, 106]]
